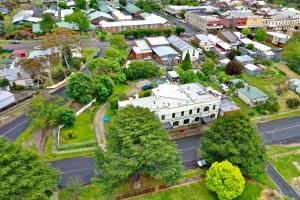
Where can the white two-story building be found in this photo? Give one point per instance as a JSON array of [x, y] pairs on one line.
[[176, 105]]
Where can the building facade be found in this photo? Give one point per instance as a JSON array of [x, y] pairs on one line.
[[177, 105]]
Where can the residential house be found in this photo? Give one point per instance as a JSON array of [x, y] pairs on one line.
[[222, 48], [252, 69], [6, 99], [228, 107], [97, 16], [204, 41], [178, 105], [18, 76], [230, 38], [173, 76], [24, 16], [244, 59], [157, 41], [165, 55], [277, 38], [140, 51], [252, 96], [151, 22], [183, 48], [119, 16], [206, 23], [263, 50], [133, 10]]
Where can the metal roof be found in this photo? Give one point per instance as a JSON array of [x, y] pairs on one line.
[[252, 92], [5, 94], [243, 58], [131, 8], [179, 43], [97, 14], [162, 51]]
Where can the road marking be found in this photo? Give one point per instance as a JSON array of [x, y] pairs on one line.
[[281, 129], [76, 170], [15, 127]]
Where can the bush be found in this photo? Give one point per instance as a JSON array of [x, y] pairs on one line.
[[233, 68], [4, 82], [271, 106], [294, 68], [250, 46], [76, 63], [293, 103], [146, 93], [113, 100], [141, 70], [66, 116]]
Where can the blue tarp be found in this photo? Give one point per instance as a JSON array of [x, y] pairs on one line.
[[106, 118]]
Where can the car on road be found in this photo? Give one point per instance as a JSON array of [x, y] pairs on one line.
[[147, 87], [15, 42]]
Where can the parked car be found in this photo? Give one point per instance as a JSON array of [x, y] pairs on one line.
[[37, 47], [147, 87], [15, 42], [224, 87], [202, 163]]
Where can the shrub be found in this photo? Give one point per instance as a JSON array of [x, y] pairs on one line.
[[250, 46], [293, 103], [233, 68], [271, 106], [76, 63], [4, 82], [113, 100], [66, 116]]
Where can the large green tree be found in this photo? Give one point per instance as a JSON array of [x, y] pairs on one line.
[[235, 138], [81, 4], [141, 70], [47, 23], [138, 145], [225, 179], [118, 41], [115, 53], [104, 86], [291, 50], [80, 19], [261, 34], [108, 67], [246, 31], [94, 4], [24, 175], [79, 87], [186, 63]]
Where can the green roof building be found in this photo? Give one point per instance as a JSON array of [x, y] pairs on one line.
[[133, 10], [252, 96]]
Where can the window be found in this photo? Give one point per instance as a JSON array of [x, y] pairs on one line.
[[182, 113], [176, 123], [186, 121], [191, 112], [214, 107], [206, 109], [198, 110], [212, 115], [163, 117], [197, 119], [173, 115]]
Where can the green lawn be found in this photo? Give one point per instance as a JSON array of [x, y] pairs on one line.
[[82, 130], [121, 89], [49, 156], [284, 163], [251, 192], [89, 192], [265, 179], [89, 53]]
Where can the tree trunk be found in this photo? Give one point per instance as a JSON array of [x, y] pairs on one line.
[[137, 181]]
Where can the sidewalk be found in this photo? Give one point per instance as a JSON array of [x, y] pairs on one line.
[[99, 125]]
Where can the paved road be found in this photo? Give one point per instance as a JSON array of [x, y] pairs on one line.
[[284, 186], [30, 45]]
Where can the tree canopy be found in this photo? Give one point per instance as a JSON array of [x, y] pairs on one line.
[[138, 144], [235, 138], [246, 31], [225, 179], [187, 77], [148, 5], [141, 70], [179, 30], [291, 50], [94, 4], [80, 19], [47, 23], [81, 4], [186, 63], [103, 88], [119, 41], [233, 68], [66, 116], [24, 175], [116, 54], [79, 87], [261, 34]]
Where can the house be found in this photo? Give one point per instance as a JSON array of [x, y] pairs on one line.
[[177, 9], [157, 41], [227, 107], [183, 48], [222, 48], [229, 37], [277, 38], [140, 51], [172, 76], [17, 75], [97, 16], [252, 96], [165, 55], [119, 16], [25, 16], [177, 105], [252, 70], [151, 22], [244, 59], [19, 53], [6, 99], [263, 50], [133, 10], [204, 41], [206, 23]]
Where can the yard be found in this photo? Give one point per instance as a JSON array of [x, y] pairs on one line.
[[282, 157], [89, 53], [81, 134]]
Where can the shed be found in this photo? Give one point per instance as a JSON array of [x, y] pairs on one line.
[[244, 59], [172, 76], [6, 98], [252, 70], [227, 107]]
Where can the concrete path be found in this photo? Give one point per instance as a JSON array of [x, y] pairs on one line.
[[283, 185], [99, 125]]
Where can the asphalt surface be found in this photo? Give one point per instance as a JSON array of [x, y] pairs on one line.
[[86, 43]]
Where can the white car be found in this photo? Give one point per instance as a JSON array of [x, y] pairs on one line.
[[224, 87], [37, 47]]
